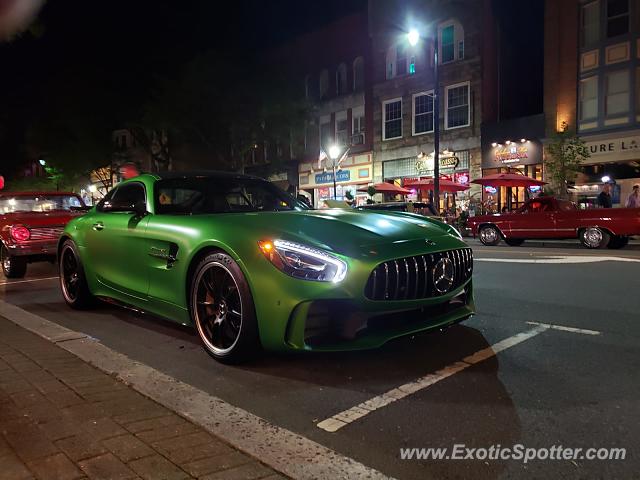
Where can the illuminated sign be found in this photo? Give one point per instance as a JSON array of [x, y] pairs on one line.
[[327, 177], [425, 164], [512, 153]]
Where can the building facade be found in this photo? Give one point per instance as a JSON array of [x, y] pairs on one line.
[[592, 83], [336, 65], [404, 86]]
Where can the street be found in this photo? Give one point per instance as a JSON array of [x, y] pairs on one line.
[[563, 329]]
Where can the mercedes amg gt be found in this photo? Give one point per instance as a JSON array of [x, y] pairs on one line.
[[250, 267]]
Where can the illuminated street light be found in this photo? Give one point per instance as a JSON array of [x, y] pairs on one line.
[[334, 152], [42, 162], [92, 188], [413, 36], [606, 179]]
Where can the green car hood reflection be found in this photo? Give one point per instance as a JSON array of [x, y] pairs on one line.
[[397, 263]]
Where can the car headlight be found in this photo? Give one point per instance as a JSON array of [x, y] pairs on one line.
[[303, 262]]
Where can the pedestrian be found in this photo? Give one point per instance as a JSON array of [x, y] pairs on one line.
[[604, 198], [634, 198]]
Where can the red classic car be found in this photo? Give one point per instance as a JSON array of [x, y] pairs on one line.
[[548, 217], [30, 225]]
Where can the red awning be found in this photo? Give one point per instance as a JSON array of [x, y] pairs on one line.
[[508, 180], [445, 185]]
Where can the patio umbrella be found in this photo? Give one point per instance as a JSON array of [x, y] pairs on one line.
[[508, 180], [445, 185], [385, 187]]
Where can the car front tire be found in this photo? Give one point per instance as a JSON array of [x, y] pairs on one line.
[[222, 310], [489, 235], [12, 266], [73, 282], [594, 237]]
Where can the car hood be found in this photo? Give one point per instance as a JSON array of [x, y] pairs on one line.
[[344, 231], [38, 219]]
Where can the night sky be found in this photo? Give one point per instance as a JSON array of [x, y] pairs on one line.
[[115, 50]]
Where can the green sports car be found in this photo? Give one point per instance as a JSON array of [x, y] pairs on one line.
[[249, 266]]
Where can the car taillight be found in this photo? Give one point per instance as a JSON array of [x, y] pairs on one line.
[[20, 233]]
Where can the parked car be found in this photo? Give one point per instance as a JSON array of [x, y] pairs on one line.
[[31, 224], [249, 266], [552, 218]]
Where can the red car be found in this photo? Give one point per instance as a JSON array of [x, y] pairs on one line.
[[551, 218], [30, 225]]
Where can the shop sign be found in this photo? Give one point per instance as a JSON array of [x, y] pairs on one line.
[[327, 177], [619, 148], [425, 164], [511, 153]]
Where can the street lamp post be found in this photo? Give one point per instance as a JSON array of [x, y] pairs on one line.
[[414, 37], [334, 153]]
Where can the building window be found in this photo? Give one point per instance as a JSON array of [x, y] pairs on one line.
[[324, 84], [447, 45], [358, 74], [617, 17], [590, 25], [422, 113], [326, 135], [401, 60], [342, 131], [357, 115], [617, 93], [589, 98], [457, 110], [392, 120], [341, 79]]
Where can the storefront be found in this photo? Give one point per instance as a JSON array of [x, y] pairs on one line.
[[454, 166], [614, 159], [317, 183], [523, 156]]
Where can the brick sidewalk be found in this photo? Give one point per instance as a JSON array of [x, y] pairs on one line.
[[61, 418]]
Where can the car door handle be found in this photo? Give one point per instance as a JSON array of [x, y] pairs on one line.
[[98, 226]]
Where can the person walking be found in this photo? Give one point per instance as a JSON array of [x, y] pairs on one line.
[[604, 198], [634, 198]]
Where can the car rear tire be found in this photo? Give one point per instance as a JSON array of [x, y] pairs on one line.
[[223, 311], [514, 242], [489, 235], [12, 266], [618, 241], [73, 282], [594, 237]]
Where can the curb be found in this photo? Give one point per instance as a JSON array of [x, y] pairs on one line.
[[283, 450]]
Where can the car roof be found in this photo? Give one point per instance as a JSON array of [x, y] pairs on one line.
[[205, 174], [33, 193]]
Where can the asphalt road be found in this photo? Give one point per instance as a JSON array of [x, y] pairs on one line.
[[572, 388]]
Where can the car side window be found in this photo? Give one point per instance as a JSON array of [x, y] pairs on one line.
[[124, 196], [106, 200]]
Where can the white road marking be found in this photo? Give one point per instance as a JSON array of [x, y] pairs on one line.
[[27, 281], [558, 259], [567, 329], [288, 452], [344, 418]]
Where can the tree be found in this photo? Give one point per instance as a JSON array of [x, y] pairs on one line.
[[567, 153]]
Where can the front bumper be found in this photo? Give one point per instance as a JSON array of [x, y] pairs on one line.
[[318, 316], [35, 248]]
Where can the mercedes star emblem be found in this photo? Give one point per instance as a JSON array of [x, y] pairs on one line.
[[443, 274]]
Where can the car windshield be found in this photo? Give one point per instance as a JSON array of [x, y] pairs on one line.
[[205, 195], [38, 203]]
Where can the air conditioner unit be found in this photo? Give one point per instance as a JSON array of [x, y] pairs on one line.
[[357, 139]]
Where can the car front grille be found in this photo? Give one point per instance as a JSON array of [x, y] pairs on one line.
[[420, 276], [46, 233]]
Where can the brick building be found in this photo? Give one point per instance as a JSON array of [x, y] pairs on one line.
[[332, 68], [592, 82], [403, 79]]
